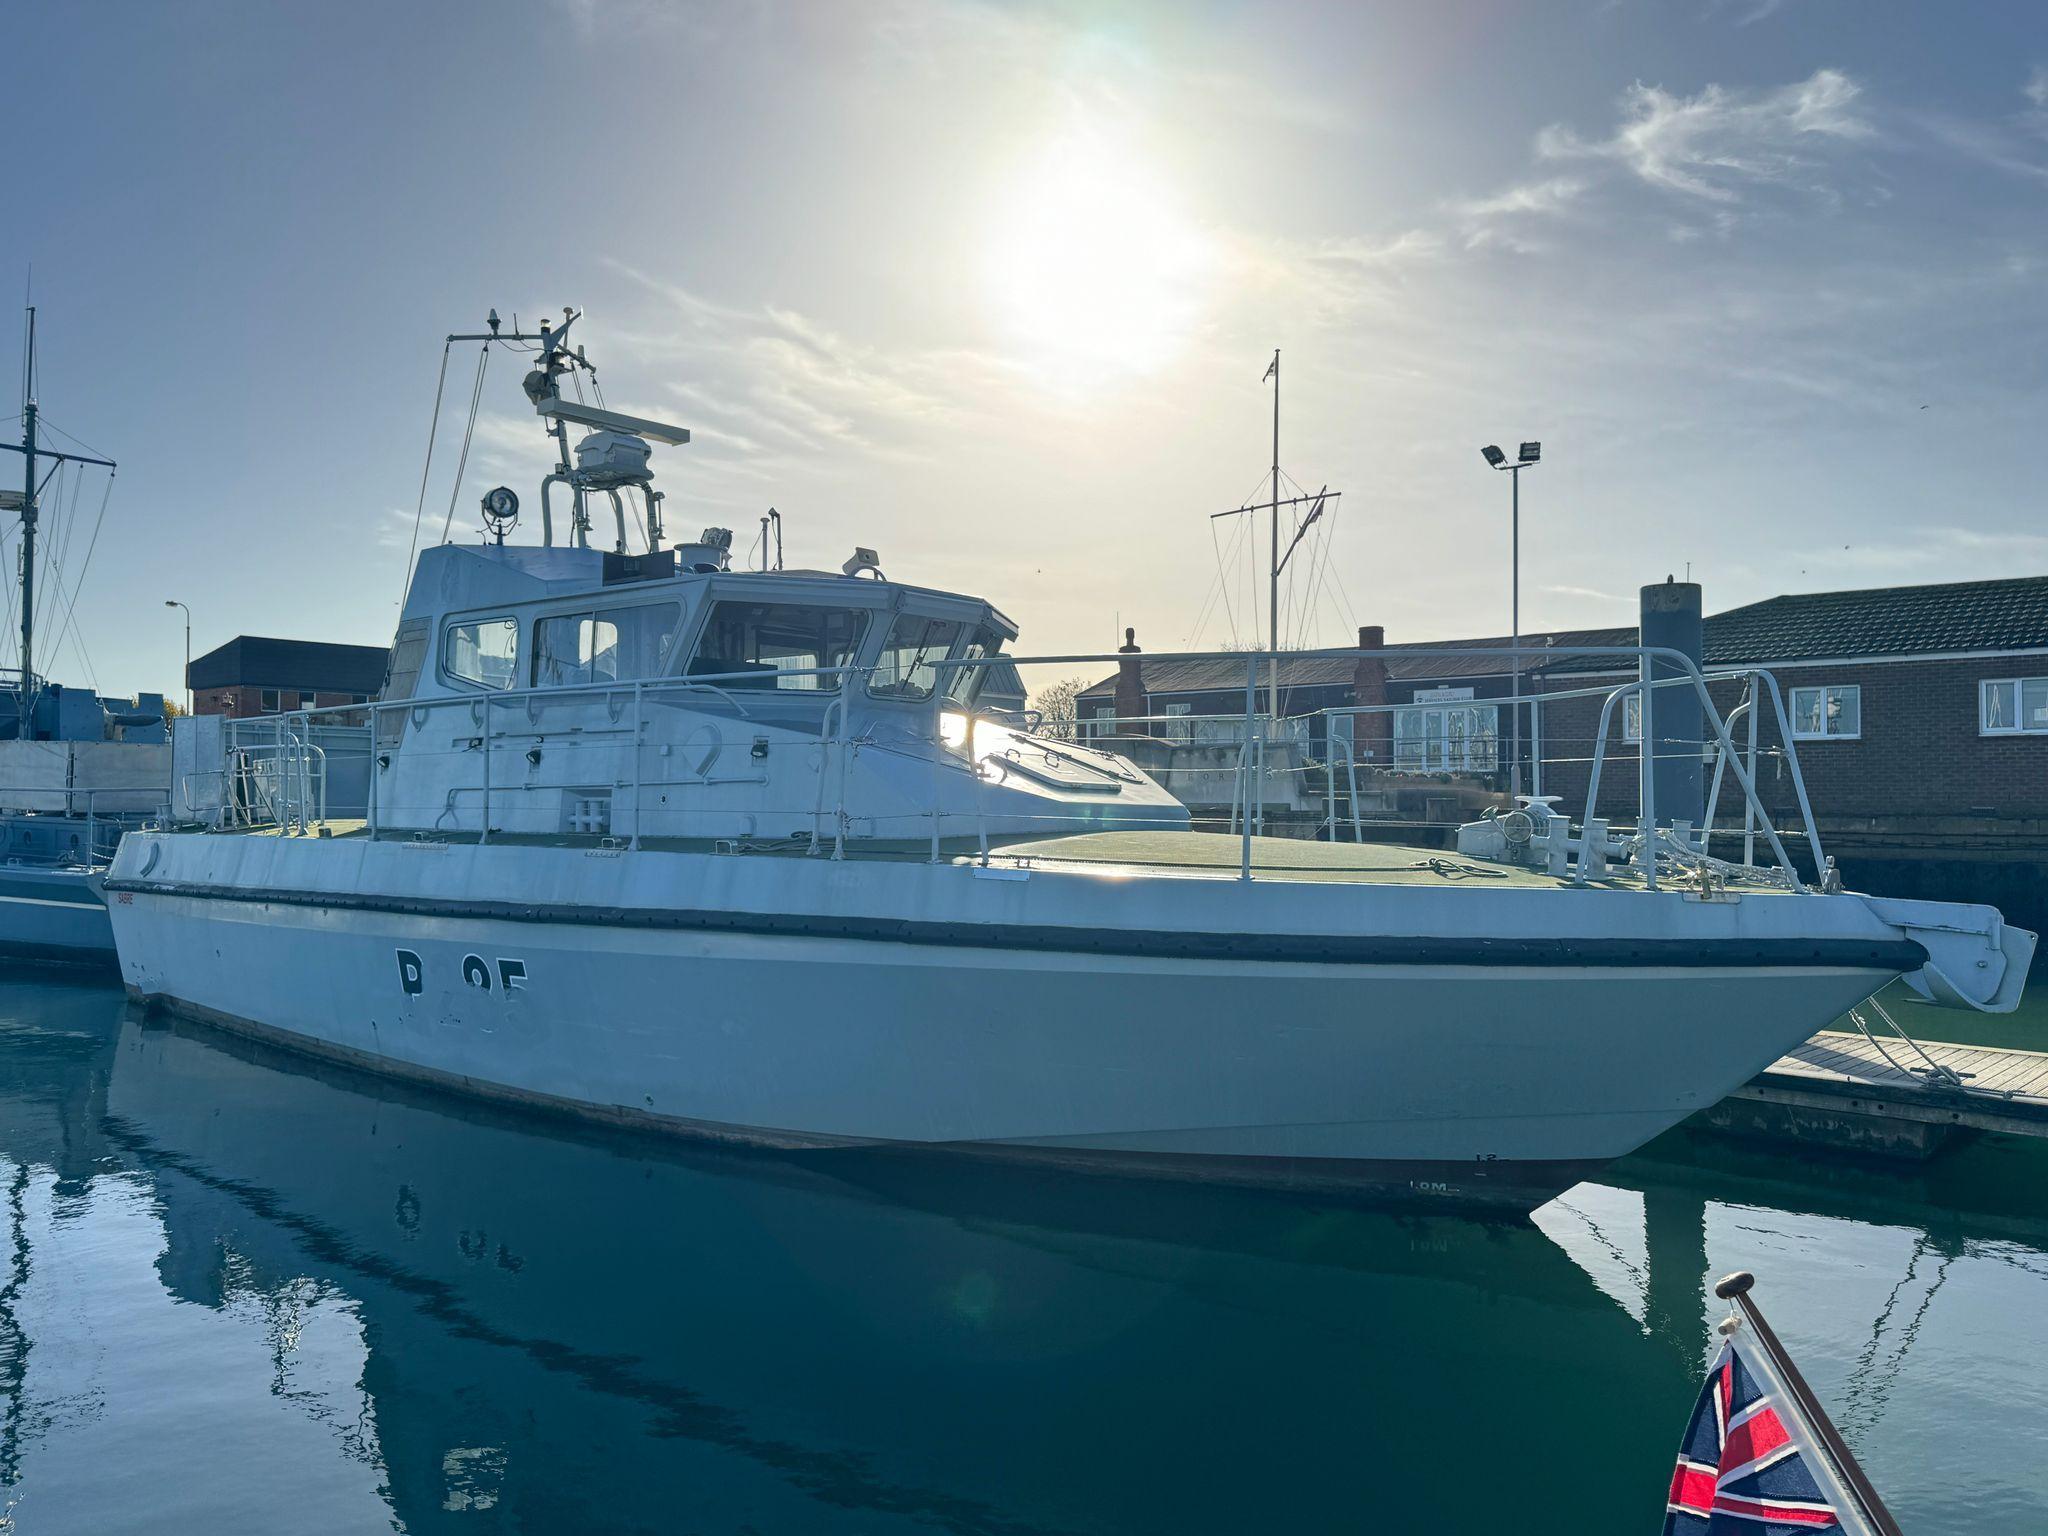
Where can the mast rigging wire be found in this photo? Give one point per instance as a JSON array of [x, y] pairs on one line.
[[476, 393], [433, 432], [71, 607]]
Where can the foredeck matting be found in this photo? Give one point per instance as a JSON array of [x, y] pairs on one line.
[[2002, 1089], [1283, 857]]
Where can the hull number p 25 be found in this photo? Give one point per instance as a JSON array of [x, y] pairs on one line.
[[476, 972]]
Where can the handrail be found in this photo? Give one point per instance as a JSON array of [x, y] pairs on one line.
[[835, 702]]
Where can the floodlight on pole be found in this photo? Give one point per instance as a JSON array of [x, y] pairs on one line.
[[172, 602], [1529, 455]]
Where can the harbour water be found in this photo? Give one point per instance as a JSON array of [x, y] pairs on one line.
[[241, 1293]]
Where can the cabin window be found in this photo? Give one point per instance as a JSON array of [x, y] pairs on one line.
[[609, 646], [997, 686], [776, 645], [481, 651], [905, 669], [408, 650], [1457, 738], [2009, 706], [1832, 712]]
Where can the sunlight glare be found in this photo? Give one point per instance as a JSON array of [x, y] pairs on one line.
[[1095, 272]]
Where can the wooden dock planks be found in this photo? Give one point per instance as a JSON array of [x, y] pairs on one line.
[[1842, 1073]]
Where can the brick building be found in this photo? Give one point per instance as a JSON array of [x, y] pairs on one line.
[[255, 675], [1920, 716]]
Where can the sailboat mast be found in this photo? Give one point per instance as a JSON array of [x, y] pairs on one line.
[[28, 528], [31, 451], [1273, 549]]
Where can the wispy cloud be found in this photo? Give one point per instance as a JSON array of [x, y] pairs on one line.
[[1716, 144]]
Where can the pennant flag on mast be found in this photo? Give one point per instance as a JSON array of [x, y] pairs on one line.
[[1760, 1457]]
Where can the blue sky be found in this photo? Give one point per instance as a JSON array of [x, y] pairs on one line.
[[991, 288]]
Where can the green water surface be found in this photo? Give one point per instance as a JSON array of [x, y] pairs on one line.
[[240, 1294]]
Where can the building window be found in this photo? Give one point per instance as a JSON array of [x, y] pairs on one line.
[[1179, 725], [1632, 718], [1834, 712], [1456, 738], [2008, 706], [269, 701], [481, 651], [1101, 724]]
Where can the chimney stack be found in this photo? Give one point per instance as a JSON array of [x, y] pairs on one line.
[[1372, 736], [1130, 687]]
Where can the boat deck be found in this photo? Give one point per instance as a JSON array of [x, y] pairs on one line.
[[1185, 853]]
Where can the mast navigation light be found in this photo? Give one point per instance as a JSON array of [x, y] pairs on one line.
[[1494, 456], [1530, 453]]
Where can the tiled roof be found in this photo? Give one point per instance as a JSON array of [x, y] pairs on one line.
[[319, 665], [1168, 677], [2007, 615], [1951, 616], [2010, 615]]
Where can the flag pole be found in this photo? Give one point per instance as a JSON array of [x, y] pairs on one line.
[[1736, 1288]]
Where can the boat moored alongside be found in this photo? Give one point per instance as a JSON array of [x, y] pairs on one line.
[[777, 857]]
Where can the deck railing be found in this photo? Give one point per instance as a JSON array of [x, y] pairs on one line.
[[285, 765], [99, 817]]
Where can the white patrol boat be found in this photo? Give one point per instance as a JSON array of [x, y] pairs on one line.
[[776, 856]]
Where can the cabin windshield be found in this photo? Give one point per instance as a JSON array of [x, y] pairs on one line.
[[782, 644], [905, 668], [609, 645], [992, 686]]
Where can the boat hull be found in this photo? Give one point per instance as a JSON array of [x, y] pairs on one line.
[[54, 916], [1471, 1082]]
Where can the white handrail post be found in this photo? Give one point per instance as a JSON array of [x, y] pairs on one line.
[[1330, 777], [1648, 793], [1748, 802], [638, 797], [485, 742], [1251, 690], [1798, 778], [1351, 781], [845, 750], [938, 747], [370, 806]]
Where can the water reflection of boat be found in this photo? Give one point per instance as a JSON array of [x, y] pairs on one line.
[[548, 1315]]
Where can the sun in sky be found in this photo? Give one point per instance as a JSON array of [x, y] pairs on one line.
[[1095, 270]]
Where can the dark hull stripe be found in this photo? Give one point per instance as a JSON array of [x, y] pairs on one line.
[[1891, 956]]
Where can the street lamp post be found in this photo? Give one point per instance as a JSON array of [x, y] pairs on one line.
[[172, 602], [1526, 458]]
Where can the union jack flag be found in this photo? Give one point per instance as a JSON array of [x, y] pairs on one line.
[[1742, 1468]]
